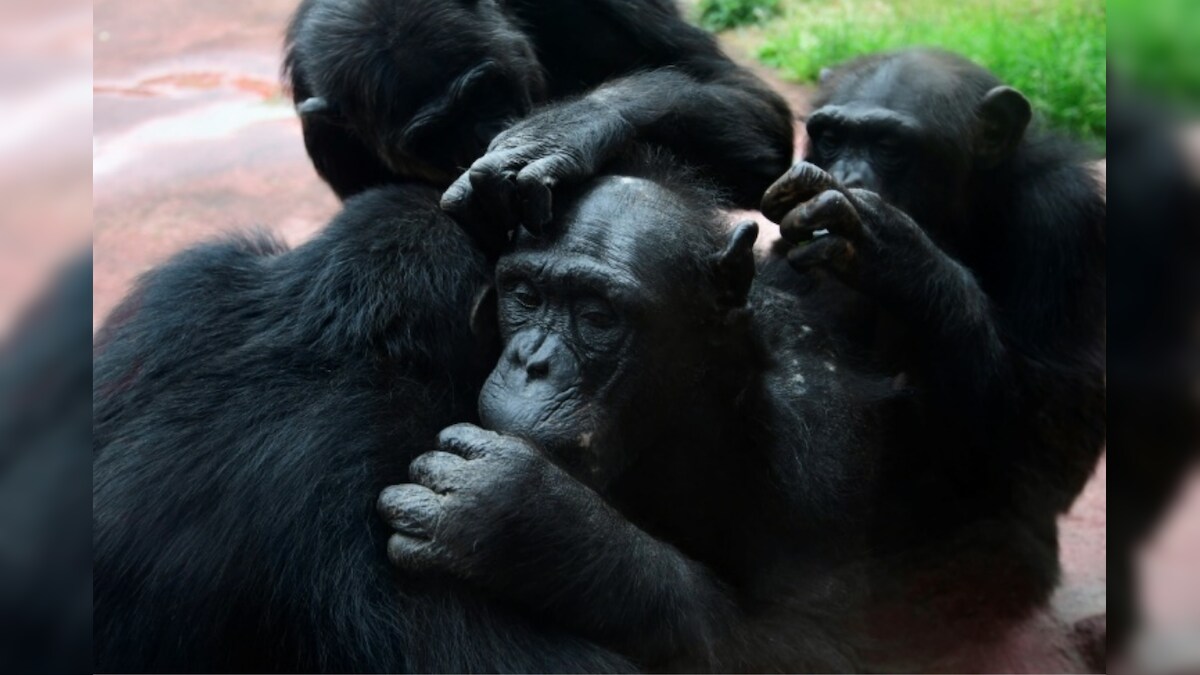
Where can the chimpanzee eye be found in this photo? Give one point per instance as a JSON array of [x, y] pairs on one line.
[[829, 142], [889, 151], [526, 295], [599, 319], [597, 314]]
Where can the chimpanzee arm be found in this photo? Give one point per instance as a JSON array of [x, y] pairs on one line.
[[959, 353], [728, 122], [729, 126], [493, 509], [670, 80]]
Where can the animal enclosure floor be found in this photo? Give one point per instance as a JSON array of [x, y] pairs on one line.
[[193, 137]]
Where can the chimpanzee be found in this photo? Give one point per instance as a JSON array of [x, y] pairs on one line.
[[983, 244], [251, 403], [677, 460], [392, 90]]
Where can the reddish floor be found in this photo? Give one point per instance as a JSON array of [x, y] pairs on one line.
[[192, 137]]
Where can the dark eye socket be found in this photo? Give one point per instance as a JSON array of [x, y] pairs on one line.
[[597, 314], [890, 150], [828, 141], [526, 295], [597, 319]]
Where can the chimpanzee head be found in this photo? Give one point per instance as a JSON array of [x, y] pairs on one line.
[[616, 321], [915, 126], [427, 87]]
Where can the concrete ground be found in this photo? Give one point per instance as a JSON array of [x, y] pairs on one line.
[[193, 138]]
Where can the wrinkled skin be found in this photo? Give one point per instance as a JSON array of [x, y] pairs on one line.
[[629, 483], [250, 401]]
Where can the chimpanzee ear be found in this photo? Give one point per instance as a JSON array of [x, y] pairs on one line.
[[316, 106], [734, 266], [485, 317], [1003, 115]]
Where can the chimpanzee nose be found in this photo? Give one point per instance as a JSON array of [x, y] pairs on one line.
[[851, 177], [544, 358], [537, 369], [538, 364], [852, 180]]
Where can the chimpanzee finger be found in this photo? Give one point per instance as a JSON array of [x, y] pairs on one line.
[[438, 471], [410, 509], [457, 197], [460, 203], [831, 210], [801, 183], [479, 192], [466, 440], [831, 252], [412, 554], [536, 183], [495, 188]]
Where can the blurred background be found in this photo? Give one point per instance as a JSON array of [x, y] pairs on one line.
[[191, 136]]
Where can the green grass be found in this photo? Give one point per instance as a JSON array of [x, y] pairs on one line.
[[1052, 50], [1155, 45], [722, 14]]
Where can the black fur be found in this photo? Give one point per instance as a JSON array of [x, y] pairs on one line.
[[249, 403], [398, 89], [731, 441], [992, 305]]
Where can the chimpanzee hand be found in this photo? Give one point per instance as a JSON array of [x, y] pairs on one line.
[[481, 504], [512, 183], [868, 243]]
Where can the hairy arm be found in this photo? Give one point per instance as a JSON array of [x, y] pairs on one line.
[[492, 509], [958, 350]]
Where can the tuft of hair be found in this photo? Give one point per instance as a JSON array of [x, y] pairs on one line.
[[700, 194]]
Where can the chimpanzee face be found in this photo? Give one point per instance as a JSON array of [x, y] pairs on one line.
[[914, 127], [432, 92], [595, 317], [889, 152]]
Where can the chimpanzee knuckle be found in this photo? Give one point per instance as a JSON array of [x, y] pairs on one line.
[[394, 500], [811, 178], [794, 226], [467, 440], [569, 161], [865, 196], [483, 174], [412, 554], [841, 216], [801, 183], [456, 433], [437, 470], [458, 194], [522, 456], [408, 501]]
